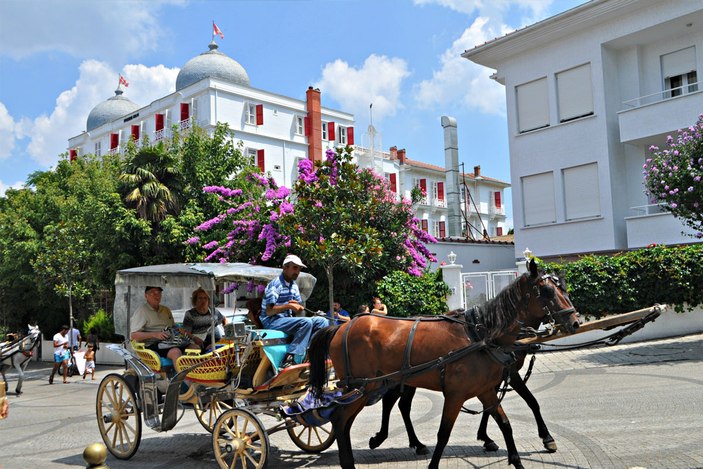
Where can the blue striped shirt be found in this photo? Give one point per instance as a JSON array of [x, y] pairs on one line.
[[279, 292]]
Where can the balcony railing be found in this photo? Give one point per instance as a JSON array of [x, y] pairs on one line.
[[440, 203], [186, 123], [644, 210], [661, 96]]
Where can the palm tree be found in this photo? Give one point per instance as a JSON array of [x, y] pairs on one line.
[[152, 183]]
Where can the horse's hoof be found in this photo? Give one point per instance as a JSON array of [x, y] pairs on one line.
[[421, 450], [549, 444], [375, 442], [18, 393], [490, 446]]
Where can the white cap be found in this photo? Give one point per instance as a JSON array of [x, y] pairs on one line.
[[294, 259]]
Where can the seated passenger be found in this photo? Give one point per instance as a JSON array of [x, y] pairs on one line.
[[281, 300], [197, 320], [149, 324], [253, 312]]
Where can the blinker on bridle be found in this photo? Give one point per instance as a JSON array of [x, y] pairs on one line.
[[550, 305]]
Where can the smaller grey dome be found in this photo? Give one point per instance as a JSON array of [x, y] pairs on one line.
[[212, 63], [109, 110]]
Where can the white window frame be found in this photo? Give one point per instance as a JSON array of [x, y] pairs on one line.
[[250, 113], [252, 154], [299, 125], [342, 135], [324, 131], [98, 148]]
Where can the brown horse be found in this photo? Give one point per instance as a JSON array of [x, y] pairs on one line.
[[406, 393], [375, 354]]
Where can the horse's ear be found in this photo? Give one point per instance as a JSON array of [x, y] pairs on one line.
[[533, 268]]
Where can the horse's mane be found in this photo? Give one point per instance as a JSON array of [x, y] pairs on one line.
[[501, 312]]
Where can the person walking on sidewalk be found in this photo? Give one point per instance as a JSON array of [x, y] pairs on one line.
[[61, 354]]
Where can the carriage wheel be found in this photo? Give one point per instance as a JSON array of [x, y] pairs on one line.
[[240, 441], [312, 439], [119, 417], [208, 411]]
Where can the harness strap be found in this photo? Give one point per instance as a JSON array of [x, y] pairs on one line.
[[345, 346], [408, 350]]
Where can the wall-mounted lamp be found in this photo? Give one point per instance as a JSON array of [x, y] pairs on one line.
[[527, 253], [452, 257]]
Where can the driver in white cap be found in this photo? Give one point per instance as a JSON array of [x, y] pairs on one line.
[[281, 302]]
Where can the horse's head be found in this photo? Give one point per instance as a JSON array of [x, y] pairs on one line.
[[546, 298]]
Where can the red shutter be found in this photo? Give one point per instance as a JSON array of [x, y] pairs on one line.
[[423, 225], [159, 122], [259, 114], [394, 182], [442, 230], [350, 135], [440, 190], [423, 185], [308, 127], [135, 133], [330, 131], [499, 231], [73, 155], [185, 111], [114, 141], [497, 198], [260, 160]]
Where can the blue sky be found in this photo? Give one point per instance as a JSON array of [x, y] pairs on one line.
[[58, 59]]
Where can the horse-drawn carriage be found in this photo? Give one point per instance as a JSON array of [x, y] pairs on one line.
[[228, 388]]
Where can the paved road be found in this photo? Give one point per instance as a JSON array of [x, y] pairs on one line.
[[634, 405]]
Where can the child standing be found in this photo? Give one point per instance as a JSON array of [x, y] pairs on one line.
[[90, 362]]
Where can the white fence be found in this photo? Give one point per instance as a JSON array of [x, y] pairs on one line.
[[480, 287]]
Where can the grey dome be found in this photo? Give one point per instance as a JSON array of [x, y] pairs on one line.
[[212, 63], [109, 110]]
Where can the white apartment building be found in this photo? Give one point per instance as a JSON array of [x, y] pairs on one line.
[[277, 131], [587, 92]]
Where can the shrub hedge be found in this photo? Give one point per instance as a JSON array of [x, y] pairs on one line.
[[601, 285]]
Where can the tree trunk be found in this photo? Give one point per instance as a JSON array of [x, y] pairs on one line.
[[330, 293]]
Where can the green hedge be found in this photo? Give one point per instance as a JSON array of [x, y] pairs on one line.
[[601, 285], [406, 295]]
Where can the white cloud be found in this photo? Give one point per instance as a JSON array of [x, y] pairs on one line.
[[48, 134], [377, 81], [7, 133], [459, 80], [4, 187], [112, 31]]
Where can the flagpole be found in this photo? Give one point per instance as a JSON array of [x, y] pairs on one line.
[[213, 31]]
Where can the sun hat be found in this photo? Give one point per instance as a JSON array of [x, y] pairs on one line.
[[292, 258]]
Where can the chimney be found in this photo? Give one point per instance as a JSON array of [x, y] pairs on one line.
[[477, 171], [315, 122], [451, 175], [401, 155], [394, 153]]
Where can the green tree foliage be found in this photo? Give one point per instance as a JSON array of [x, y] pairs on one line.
[[673, 176], [601, 285], [409, 295]]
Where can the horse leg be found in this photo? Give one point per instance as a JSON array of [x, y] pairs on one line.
[[491, 400], [450, 411], [521, 388], [342, 420], [406, 400], [389, 400], [20, 377], [482, 435]]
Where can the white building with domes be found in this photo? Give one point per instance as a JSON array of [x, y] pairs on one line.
[[277, 131]]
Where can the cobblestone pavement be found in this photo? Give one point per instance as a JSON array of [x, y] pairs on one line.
[[626, 406]]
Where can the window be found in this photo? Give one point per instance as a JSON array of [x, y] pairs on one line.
[[73, 154], [324, 131], [440, 230], [299, 125], [393, 178], [260, 161], [424, 225], [581, 191], [251, 156], [532, 105], [538, 199], [135, 132], [499, 231], [496, 199], [679, 72], [185, 111], [342, 135], [330, 131], [250, 114], [114, 141], [98, 148], [574, 93]]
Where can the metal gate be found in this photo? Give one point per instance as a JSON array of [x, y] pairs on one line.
[[480, 287]]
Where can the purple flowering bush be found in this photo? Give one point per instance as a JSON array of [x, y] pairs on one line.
[[672, 176]]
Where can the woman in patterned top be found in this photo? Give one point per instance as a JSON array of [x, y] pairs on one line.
[[197, 320]]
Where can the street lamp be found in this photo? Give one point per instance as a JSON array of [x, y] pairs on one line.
[[527, 253], [452, 257]]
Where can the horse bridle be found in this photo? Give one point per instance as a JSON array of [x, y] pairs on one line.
[[553, 315]]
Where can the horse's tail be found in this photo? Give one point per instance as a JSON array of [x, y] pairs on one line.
[[317, 353]]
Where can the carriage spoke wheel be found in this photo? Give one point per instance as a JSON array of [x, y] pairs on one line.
[[312, 439], [240, 441], [208, 411], [119, 418]]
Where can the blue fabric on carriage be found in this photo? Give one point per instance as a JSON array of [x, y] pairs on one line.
[[275, 353], [165, 362], [309, 410]]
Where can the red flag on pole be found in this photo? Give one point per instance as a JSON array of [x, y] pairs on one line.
[[216, 31], [123, 81]]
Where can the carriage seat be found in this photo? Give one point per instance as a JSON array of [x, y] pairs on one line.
[[152, 359]]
